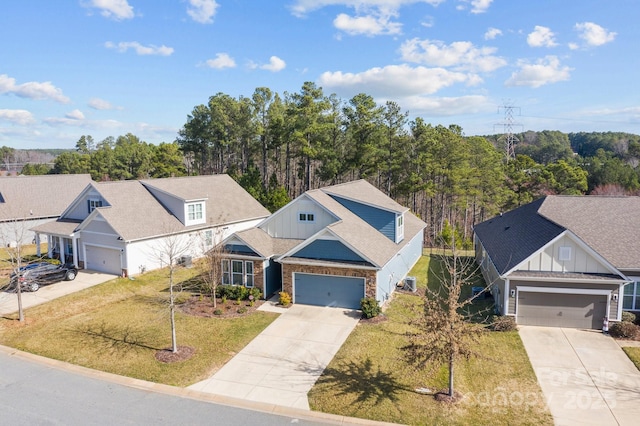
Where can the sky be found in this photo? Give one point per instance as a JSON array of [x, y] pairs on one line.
[[111, 67]]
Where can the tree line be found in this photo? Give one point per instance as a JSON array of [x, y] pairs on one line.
[[278, 146]]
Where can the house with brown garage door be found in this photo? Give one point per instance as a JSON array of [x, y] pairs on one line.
[[563, 261], [123, 227], [329, 247]]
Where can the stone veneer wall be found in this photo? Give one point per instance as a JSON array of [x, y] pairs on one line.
[[288, 270]]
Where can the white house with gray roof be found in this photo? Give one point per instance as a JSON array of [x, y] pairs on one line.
[[121, 227], [330, 247], [28, 201], [565, 261]]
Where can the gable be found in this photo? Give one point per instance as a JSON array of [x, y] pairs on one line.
[[333, 250], [84, 204], [566, 254], [287, 223], [383, 221], [97, 225]]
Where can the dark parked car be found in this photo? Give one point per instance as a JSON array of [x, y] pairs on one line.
[[36, 275]]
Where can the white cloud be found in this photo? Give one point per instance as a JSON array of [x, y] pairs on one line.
[[492, 33], [76, 114], [275, 64], [301, 8], [574, 46], [17, 116], [100, 104], [32, 89], [546, 70], [395, 80], [221, 61], [461, 55], [139, 48], [541, 37], [367, 25], [594, 34], [202, 11], [113, 9], [446, 106], [477, 6]]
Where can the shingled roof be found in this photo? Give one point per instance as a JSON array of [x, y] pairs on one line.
[[38, 197], [514, 236], [609, 225]]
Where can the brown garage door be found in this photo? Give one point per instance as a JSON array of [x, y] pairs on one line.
[[561, 310]]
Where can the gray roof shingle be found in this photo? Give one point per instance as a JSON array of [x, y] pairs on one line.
[[33, 197]]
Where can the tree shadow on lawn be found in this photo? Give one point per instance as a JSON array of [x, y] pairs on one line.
[[115, 338], [364, 381]]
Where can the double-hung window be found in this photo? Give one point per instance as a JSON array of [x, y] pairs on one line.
[[93, 204], [194, 211], [306, 217], [237, 272], [631, 296]]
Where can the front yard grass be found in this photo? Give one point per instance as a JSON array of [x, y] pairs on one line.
[[372, 378], [634, 354], [118, 327]]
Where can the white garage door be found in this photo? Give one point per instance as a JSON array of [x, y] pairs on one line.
[[561, 310], [103, 259]]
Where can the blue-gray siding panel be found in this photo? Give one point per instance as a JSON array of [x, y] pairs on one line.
[[328, 290], [328, 250], [382, 220]]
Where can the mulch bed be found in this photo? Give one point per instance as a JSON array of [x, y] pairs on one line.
[[203, 307], [375, 320], [443, 396], [168, 356]]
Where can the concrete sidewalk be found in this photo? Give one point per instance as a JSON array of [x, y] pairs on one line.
[[283, 362], [85, 279], [585, 376]]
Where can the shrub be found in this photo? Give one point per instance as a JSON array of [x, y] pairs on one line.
[[255, 292], [242, 310], [217, 312], [235, 292], [624, 330], [285, 298], [370, 307], [629, 317], [503, 323]]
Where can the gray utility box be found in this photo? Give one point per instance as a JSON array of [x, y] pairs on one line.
[[410, 283]]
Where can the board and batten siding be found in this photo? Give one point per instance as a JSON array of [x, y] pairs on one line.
[[548, 260], [491, 277], [285, 224], [382, 220]]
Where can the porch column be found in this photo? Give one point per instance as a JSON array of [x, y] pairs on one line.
[[50, 246], [38, 253], [74, 242], [61, 249]]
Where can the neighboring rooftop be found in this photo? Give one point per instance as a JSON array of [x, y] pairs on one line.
[[39, 197]]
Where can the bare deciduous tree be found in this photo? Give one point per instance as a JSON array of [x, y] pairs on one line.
[[444, 332], [169, 251], [211, 266]]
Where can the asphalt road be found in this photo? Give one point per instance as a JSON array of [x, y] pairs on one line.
[[33, 393]]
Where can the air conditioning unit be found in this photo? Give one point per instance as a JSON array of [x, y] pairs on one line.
[[410, 283]]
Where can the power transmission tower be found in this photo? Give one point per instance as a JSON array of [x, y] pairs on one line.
[[508, 124]]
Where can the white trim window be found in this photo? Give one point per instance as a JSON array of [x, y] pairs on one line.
[[399, 228], [93, 204], [306, 217], [226, 275], [194, 212], [237, 272], [631, 297]]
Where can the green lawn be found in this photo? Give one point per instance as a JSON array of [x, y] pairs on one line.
[[634, 354], [371, 377], [118, 327]]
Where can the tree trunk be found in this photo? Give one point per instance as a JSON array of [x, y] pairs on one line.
[[174, 345], [451, 374]]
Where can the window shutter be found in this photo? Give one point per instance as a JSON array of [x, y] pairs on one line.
[[88, 206]]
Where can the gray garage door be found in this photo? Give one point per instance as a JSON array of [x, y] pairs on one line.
[[324, 290], [103, 260], [561, 310]]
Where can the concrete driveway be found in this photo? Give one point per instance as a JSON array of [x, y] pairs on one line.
[[85, 279], [283, 362], [585, 376]]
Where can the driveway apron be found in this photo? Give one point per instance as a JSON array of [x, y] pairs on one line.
[[585, 376], [283, 362]]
